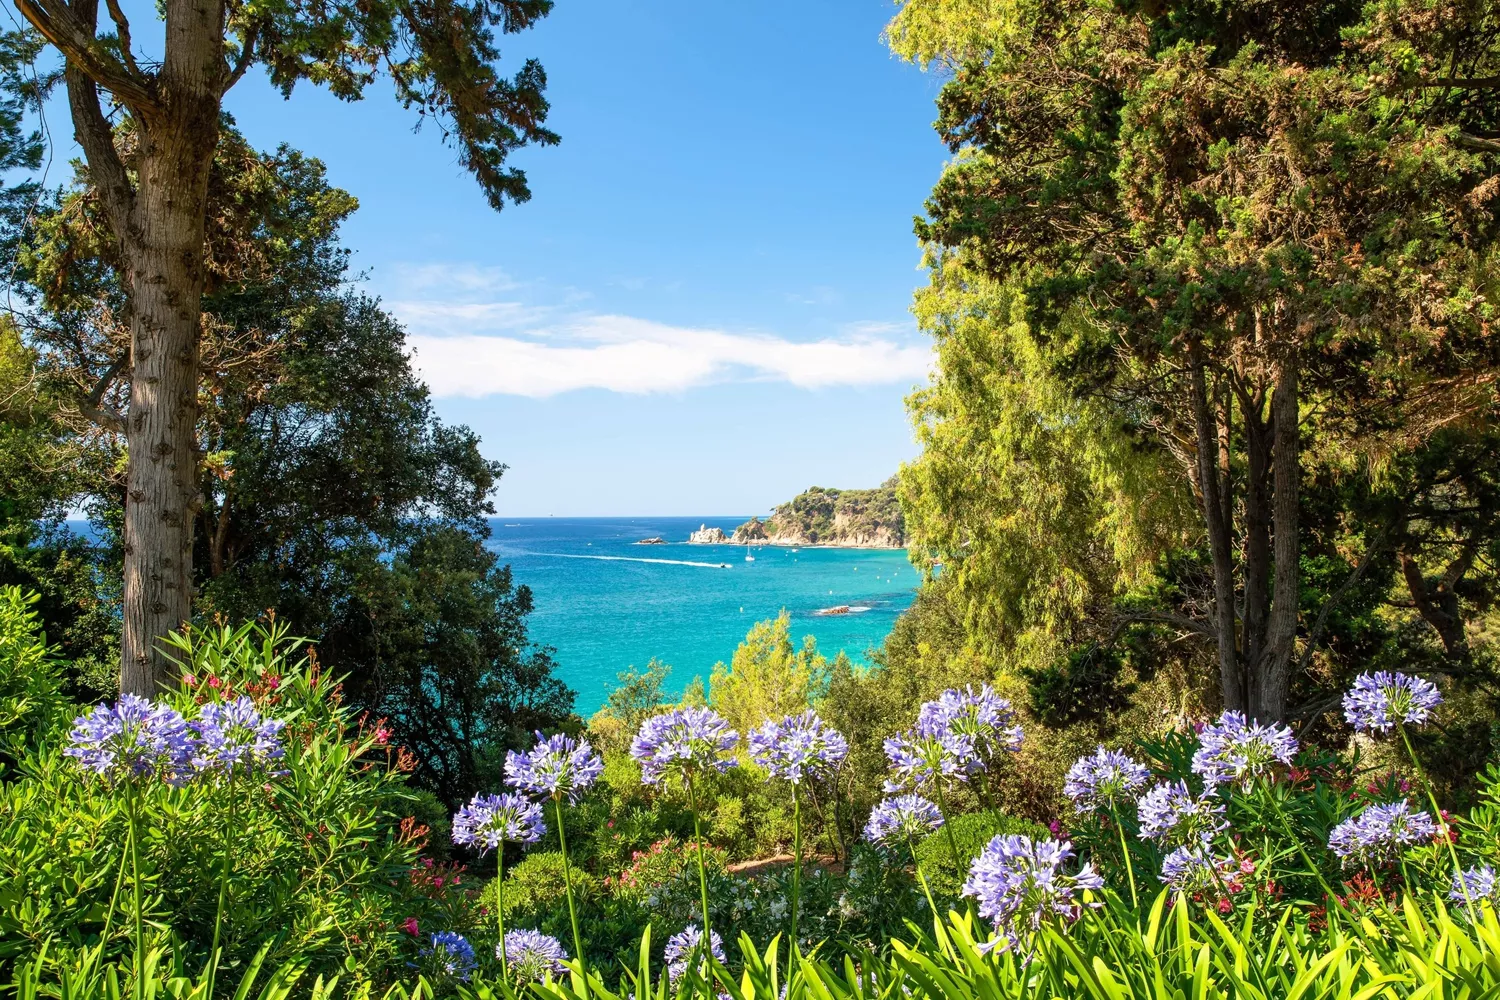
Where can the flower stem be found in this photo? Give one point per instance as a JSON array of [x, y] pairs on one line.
[[114, 898], [1302, 850], [796, 870], [1437, 816], [500, 912], [706, 941], [921, 879], [1125, 851], [702, 870], [139, 959], [958, 865], [213, 951], [562, 839]]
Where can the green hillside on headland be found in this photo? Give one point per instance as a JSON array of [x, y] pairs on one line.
[[825, 516]]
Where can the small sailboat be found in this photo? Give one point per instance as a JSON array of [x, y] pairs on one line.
[[748, 556]]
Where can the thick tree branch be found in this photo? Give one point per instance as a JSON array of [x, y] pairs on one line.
[[71, 29], [122, 29], [106, 169], [1478, 144], [1460, 82], [1184, 622], [242, 63], [92, 405]]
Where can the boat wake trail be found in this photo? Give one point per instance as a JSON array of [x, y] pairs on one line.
[[635, 559]]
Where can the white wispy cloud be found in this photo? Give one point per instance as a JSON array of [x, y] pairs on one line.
[[476, 339]]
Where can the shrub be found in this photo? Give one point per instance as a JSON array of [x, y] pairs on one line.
[[970, 832], [536, 885], [319, 855], [32, 706]]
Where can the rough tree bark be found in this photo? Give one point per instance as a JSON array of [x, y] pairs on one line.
[[1271, 674], [158, 219], [1255, 614], [1437, 600], [1231, 674]]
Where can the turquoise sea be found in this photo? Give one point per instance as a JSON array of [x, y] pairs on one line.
[[606, 603]]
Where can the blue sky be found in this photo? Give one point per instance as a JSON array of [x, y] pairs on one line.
[[704, 307]]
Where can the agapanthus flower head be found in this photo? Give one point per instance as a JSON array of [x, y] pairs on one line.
[[1195, 868], [1020, 883], [684, 741], [1379, 834], [798, 747], [982, 715], [1384, 699], [1236, 750], [1170, 813], [557, 767], [921, 760], [133, 740], [1101, 780], [452, 953], [687, 945], [902, 820], [532, 956], [234, 739], [1474, 884], [491, 820]]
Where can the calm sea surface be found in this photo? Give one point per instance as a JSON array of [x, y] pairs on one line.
[[606, 603]]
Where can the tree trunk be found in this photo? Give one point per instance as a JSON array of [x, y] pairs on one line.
[[1272, 675], [1257, 528], [1437, 602], [1231, 677], [164, 254]]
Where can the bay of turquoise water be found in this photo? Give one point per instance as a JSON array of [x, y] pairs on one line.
[[605, 603]]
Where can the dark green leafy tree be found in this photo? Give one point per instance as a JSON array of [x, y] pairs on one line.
[[1242, 241], [151, 179], [329, 492]]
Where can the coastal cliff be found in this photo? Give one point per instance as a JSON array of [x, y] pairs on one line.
[[708, 536], [869, 519]]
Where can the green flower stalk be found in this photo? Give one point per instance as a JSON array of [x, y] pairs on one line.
[[558, 767], [126, 745], [686, 743], [489, 822], [796, 749], [1377, 703]]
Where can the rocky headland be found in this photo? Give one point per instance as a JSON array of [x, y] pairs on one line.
[[708, 536], [866, 519]]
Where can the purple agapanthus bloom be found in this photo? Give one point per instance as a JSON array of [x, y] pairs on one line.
[[1193, 869], [798, 747], [453, 954], [1019, 883], [133, 740], [491, 820], [920, 760], [532, 956], [1381, 700], [902, 820], [983, 716], [1236, 750], [686, 944], [1380, 833], [558, 767], [683, 741], [1099, 781], [1473, 885], [1176, 817], [234, 739]]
